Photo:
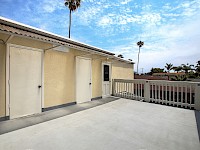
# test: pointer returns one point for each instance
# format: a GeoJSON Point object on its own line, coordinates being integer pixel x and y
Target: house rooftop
{"type": "Point", "coordinates": [168, 73]}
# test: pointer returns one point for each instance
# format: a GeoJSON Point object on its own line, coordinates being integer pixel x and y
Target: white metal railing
{"type": "Point", "coordinates": [175, 93]}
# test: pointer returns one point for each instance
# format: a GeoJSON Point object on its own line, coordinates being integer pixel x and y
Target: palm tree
{"type": "Point", "coordinates": [169, 67]}
{"type": "Point", "coordinates": [72, 5]}
{"type": "Point", "coordinates": [140, 44]}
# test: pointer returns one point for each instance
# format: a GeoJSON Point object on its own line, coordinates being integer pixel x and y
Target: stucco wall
{"type": "Point", "coordinates": [96, 72]}
{"type": "Point", "coordinates": [59, 78]}
{"type": "Point", "coordinates": [2, 79]}
{"type": "Point", "coordinates": [3, 37]}
{"type": "Point", "coordinates": [30, 43]}
{"type": "Point", "coordinates": [96, 78]}
{"type": "Point", "coordinates": [122, 71]}
{"type": "Point", "coordinates": [59, 73]}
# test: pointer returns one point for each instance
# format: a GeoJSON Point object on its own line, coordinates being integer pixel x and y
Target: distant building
{"type": "Point", "coordinates": [149, 77]}
{"type": "Point", "coordinates": [159, 76]}
{"type": "Point", "coordinates": [169, 74]}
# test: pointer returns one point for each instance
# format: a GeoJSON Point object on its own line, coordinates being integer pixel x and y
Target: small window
{"type": "Point", "coordinates": [106, 73]}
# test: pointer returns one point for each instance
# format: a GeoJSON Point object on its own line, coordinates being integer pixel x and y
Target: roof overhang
{"type": "Point", "coordinates": [18, 29]}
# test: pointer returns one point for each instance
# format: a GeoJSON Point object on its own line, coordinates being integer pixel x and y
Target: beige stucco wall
{"type": "Point", "coordinates": [30, 43]}
{"type": "Point", "coordinates": [121, 70]}
{"type": "Point", "coordinates": [59, 78]}
{"type": "Point", "coordinates": [59, 73]}
{"type": "Point", "coordinates": [96, 78]}
{"type": "Point", "coordinates": [2, 79]}
{"type": "Point", "coordinates": [3, 37]}
{"type": "Point", "coordinates": [96, 61]}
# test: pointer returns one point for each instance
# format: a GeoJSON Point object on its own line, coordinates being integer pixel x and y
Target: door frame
{"type": "Point", "coordinates": [110, 76]}
{"type": "Point", "coordinates": [8, 45]}
{"type": "Point", "coordinates": [76, 75]}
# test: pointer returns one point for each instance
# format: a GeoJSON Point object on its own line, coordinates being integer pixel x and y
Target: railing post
{"type": "Point", "coordinates": [113, 87]}
{"type": "Point", "coordinates": [197, 97]}
{"type": "Point", "coordinates": [147, 91]}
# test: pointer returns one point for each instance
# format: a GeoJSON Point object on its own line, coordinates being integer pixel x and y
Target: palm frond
{"type": "Point", "coordinates": [73, 4]}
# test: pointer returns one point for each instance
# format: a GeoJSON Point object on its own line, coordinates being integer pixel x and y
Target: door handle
{"type": "Point", "coordinates": [39, 86]}
{"type": "Point", "coordinates": [90, 83]}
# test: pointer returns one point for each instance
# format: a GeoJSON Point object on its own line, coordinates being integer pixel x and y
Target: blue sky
{"type": "Point", "coordinates": [170, 29]}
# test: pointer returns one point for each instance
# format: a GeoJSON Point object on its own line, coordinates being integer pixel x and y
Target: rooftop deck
{"type": "Point", "coordinates": [120, 124]}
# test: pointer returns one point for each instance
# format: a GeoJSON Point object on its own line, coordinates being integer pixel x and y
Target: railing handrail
{"type": "Point", "coordinates": [183, 93]}
{"type": "Point", "coordinates": [166, 81]}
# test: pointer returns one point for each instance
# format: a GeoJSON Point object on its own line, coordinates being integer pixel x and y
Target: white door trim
{"type": "Point", "coordinates": [110, 80]}
{"type": "Point", "coordinates": [8, 74]}
{"type": "Point", "coordinates": [76, 84]}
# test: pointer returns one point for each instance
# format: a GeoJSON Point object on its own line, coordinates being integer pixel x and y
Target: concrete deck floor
{"type": "Point", "coordinates": [19, 123]}
{"type": "Point", "coordinates": [119, 125]}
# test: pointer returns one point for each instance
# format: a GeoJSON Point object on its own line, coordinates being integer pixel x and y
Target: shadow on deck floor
{"type": "Point", "coordinates": [197, 115]}
{"type": "Point", "coordinates": [19, 123]}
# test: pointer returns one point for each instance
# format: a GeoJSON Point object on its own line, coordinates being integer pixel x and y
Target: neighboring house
{"type": "Point", "coordinates": [169, 75]}
{"type": "Point", "coordinates": [40, 70]}
{"type": "Point", "coordinates": [149, 77]}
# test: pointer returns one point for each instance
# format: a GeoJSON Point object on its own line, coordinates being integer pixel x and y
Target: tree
{"type": "Point", "coordinates": [187, 68]}
{"type": "Point", "coordinates": [191, 74]}
{"type": "Point", "coordinates": [177, 69]}
{"type": "Point", "coordinates": [169, 67]}
{"type": "Point", "coordinates": [179, 78]}
{"type": "Point", "coordinates": [197, 68]}
{"type": "Point", "coordinates": [156, 70]}
{"type": "Point", "coordinates": [72, 5]}
{"type": "Point", "coordinates": [140, 44]}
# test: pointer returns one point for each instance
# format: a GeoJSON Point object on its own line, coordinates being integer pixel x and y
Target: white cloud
{"type": "Point", "coordinates": [49, 6]}
{"type": "Point", "coordinates": [179, 44]}
{"type": "Point", "coordinates": [186, 8]}
{"type": "Point", "coordinates": [170, 42]}
{"type": "Point", "coordinates": [43, 26]}
{"type": "Point", "coordinates": [124, 2]}
{"type": "Point", "coordinates": [151, 18]}
{"type": "Point", "coordinates": [167, 7]}
{"type": "Point", "coordinates": [91, 1]}
{"type": "Point", "coordinates": [88, 14]}
{"type": "Point", "coordinates": [104, 21]}
{"type": "Point", "coordinates": [115, 19]}
{"type": "Point", "coordinates": [171, 33]}
{"type": "Point", "coordinates": [171, 15]}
